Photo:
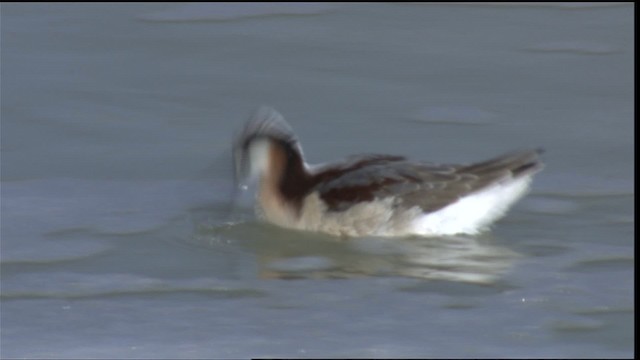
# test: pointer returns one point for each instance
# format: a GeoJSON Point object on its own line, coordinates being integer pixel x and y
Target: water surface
{"type": "Point", "coordinates": [116, 127]}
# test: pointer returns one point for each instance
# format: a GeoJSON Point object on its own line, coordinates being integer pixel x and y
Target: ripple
{"type": "Point", "coordinates": [575, 47]}
{"type": "Point", "coordinates": [453, 114]}
{"type": "Point", "coordinates": [235, 11]}
{"type": "Point", "coordinates": [41, 251]}
{"type": "Point", "coordinates": [303, 263]}
{"type": "Point", "coordinates": [72, 285]}
{"type": "Point", "coordinates": [577, 325]}
{"type": "Point", "coordinates": [598, 265]}
{"type": "Point", "coordinates": [545, 205]}
{"type": "Point", "coordinates": [47, 220]}
{"type": "Point", "coordinates": [567, 185]}
{"type": "Point", "coordinates": [559, 5]}
{"type": "Point", "coordinates": [542, 250]}
{"type": "Point", "coordinates": [598, 310]}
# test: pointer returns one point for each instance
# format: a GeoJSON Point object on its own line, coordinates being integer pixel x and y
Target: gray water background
{"type": "Point", "coordinates": [115, 130]}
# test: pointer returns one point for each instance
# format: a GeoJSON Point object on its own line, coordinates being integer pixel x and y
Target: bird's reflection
{"type": "Point", "coordinates": [287, 254]}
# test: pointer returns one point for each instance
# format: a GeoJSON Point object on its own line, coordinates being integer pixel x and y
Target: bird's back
{"type": "Point", "coordinates": [429, 186]}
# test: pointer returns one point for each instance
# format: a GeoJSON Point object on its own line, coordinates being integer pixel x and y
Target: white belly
{"type": "Point", "coordinates": [469, 215]}
{"type": "Point", "coordinates": [473, 213]}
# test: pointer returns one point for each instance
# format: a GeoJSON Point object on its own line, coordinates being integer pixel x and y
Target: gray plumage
{"type": "Point", "coordinates": [412, 183]}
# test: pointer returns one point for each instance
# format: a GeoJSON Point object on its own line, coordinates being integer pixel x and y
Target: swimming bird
{"type": "Point", "coordinates": [379, 195]}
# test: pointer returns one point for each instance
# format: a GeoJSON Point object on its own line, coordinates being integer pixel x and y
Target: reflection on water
{"type": "Point", "coordinates": [458, 258]}
{"type": "Point", "coordinates": [287, 254]}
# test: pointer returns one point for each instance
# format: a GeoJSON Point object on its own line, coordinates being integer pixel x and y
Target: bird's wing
{"type": "Point", "coordinates": [429, 186]}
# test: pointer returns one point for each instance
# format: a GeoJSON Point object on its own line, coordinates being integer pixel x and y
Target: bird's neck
{"type": "Point", "coordinates": [286, 180]}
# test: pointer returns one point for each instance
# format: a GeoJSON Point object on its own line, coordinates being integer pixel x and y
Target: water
{"type": "Point", "coordinates": [116, 128]}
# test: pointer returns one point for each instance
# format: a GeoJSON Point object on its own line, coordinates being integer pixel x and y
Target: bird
{"type": "Point", "coordinates": [373, 194]}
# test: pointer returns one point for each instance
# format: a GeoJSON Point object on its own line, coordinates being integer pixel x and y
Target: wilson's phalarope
{"type": "Point", "coordinates": [381, 195]}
